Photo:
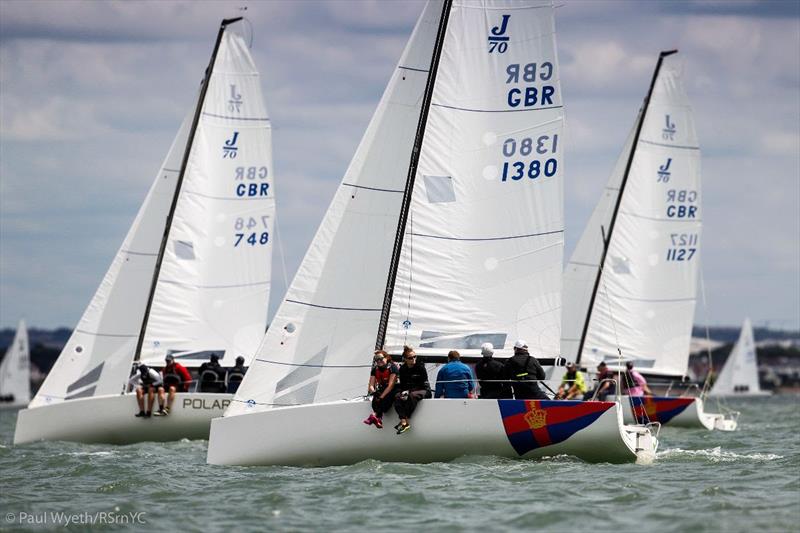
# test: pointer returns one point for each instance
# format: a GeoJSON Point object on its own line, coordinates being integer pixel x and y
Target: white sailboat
{"type": "Point", "coordinates": [192, 276]}
{"type": "Point", "coordinates": [630, 286]}
{"type": "Point", "coordinates": [739, 375]}
{"type": "Point", "coordinates": [445, 232]}
{"type": "Point", "coordinates": [15, 371]}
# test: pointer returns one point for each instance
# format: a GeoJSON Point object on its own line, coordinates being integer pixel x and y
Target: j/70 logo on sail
{"type": "Point", "coordinates": [498, 40]}
{"type": "Point", "coordinates": [234, 104]}
{"type": "Point", "coordinates": [668, 133]}
{"type": "Point", "coordinates": [229, 149]}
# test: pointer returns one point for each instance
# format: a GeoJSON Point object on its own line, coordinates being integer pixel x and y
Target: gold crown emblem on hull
{"type": "Point", "coordinates": [536, 418]}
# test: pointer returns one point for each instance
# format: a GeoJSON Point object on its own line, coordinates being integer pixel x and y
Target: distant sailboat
{"type": "Point", "coordinates": [630, 286]}
{"type": "Point", "coordinates": [15, 371]}
{"type": "Point", "coordinates": [739, 375]}
{"type": "Point", "coordinates": [191, 278]}
{"type": "Point", "coordinates": [446, 232]}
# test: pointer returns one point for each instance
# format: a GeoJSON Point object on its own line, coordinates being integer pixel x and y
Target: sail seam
{"type": "Point", "coordinates": [371, 188]}
{"type": "Point", "coordinates": [149, 254]}
{"type": "Point", "coordinates": [173, 282]}
{"type": "Point", "coordinates": [254, 119]}
{"type": "Point", "coordinates": [334, 307]}
{"type": "Point", "coordinates": [496, 110]}
{"type": "Point", "coordinates": [95, 334]}
{"type": "Point", "coordinates": [310, 366]}
{"type": "Point", "coordinates": [510, 237]}
{"type": "Point", "coordinates": [412, 68]}
{"type": "Point", "coordinates": [682, 147]}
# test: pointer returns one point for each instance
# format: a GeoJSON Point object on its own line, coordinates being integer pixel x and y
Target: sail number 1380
{"type": "Point", "coordinates": [539, 148]}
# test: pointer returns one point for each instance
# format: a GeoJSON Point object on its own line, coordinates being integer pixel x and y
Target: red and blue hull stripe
{"type": "Point", "coordinates": [658, 408]}
{"type": "Point", "coordinates": [532, 424]}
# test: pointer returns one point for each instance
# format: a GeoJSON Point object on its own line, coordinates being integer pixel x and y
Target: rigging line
{"type": "Point", "coordinates": [628, 165]}
{"type": "Point", "coordinates": [410, 275]}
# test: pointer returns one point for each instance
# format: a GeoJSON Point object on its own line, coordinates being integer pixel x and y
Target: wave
{"type": "Point", "coordinates": [717, 455]}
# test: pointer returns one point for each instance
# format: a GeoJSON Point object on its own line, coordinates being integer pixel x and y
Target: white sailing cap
{"type": "Point", "coordinates": [520, 344]}
{"type": "Point", "coordinates": [487, 348]}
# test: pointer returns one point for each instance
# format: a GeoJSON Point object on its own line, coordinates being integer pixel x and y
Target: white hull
{"type": "Point", "coordinates": [441, 430]}
{"type": "Point", "coordinates": [691, 413]}
{"type": "Point", "coordinates": [759, 394]}
{"type": "Point", "coordinates": [110, 419]}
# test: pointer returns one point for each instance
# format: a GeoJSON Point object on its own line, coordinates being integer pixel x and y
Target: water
{"type": "Point", "coordinates": [700, 481]}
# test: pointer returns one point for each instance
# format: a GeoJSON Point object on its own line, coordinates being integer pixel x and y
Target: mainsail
{"type": "Point", "coordinates": [192, 273]}
{"type": "Point", "coordinates": [631, 282]}
{"type": "Point", "coordinates": [739, 375]}
{"type": "Point", "coordinates": [15, 370]}
{"type": "Point", "coordinates": [447, 229]}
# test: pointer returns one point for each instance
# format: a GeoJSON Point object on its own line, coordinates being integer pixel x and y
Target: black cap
{"type": "Point", "coordinates": [214, 357]}
{"type": "Point", "coordinates": [240, 360]}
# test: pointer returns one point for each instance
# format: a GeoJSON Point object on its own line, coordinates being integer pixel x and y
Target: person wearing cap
{"type": "Point", "coordinates": [572, 384]}
{"type": "Point", "coordinates": [212, 375]}
{"type": "Point", "coordinates": [491, 375]}
{"type": "Point", "coordinates": [454, 379]}
{"type": "Point", "coordinates": [525, 372]}
{"type": "Point", "coordinates": [235, 375]}
{"type": "Point", "coordinates": [382, 380]}
{"type": "Point", "coordinates": [605, 384]}
{"type": "Point", "coordinates": [414, 386]}
{"type": "Point", "coordinates": [146, 380]}
{"type": "Point", "coordinates": [633, 383]}
{"type": "Point", "coordinates": [175, 378]}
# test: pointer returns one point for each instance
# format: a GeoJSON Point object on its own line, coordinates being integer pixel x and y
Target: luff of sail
{"type": "Point", "coordinates": [644, 298]}
{"type": "Point", "coordinates": [15, 370]}
{"type": "Point", "coordinates": [482, 252]}
{"type": "Point", "coordinates": [213, 284]}
{"type": "Point", "coordinates": [315, 347]}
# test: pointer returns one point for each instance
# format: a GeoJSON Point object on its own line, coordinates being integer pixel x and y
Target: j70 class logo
{"type": "Point", "coordinates": [235, 103]}
{"type": "Point", "coordinates": [668, 133]}
{"type": "Point", "coordinates": [498, 40]}
{"type": "Point", "coordinates": [229, 149]}
{"type": "Point", "coordinates": [663, 172]}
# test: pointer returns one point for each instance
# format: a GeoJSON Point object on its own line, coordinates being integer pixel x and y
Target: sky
{"type": "Point", "coordinates": [92, 93]}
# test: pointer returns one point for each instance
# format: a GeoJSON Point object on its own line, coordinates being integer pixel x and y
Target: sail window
{"type": "Point", "coordinates": [184, 250]}
{"type": "Point", "coordinates": [440, 189]}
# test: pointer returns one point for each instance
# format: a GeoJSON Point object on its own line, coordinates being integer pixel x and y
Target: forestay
{"type": "Point", "coordinates": [318, 345]}
{"type": "Point", "coordinates": [483, 244]}
{"type": "Point", "coordinates": [740, 373]}
{"type": "Point", "coordinates": [214, 281]}
{"type": "Point", "coordinates": [15, 370]}
{"type": "Point", "coordinates": [645, 298]}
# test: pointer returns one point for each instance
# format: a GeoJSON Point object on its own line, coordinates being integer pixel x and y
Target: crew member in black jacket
{"type": "Point", "coordinates": [414, 386]}
{"type": "Point", "coordinates": [491, 375]}
{"type": "Point", "coordinates": [525, 370]}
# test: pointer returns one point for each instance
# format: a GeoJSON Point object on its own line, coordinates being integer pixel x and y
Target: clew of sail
{"type": "Point", "coordinates": [15, 370]}
{"type": "Point", "coordinates": [482, 249]}
{"type": "Point", "coordinates": [644, 300]}
{"type": "Point", "coordinates": [214, 279]}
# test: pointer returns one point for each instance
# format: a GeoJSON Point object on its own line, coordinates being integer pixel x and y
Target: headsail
{"type": "Point", "coordinates": [97, 358]}
{"type": "Point", "coordinates": [15, 370]}
{"type": "Point", "coordinates": [643, 300]}
{"type": "Point", "coordinates": [739, 375]}
{"type": "Point", "coordinates": [496, 85]}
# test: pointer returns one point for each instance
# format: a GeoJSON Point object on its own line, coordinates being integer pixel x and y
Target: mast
{"type": "Point", "coordinates": [190, 141]}
{"type": "Point", "coordinates": [607, 235]}
{"type": "Point", "coordinates": [412, 172]}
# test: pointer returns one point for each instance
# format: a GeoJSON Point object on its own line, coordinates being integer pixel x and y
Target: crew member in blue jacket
{"type": "Point", "coordinates": [455, 379]}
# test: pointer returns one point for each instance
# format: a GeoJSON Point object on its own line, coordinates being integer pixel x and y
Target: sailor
{"type": "Point", "coordinates": [146, 381]}
{"type": "Point", "coordinates": [605, 384]}
{"type": "Point", "coordinates": [455, 379]}
{"type": "Point", "coordinates": [382, 381]}
{"type": "Point", "coordinates": [491, 375]}
{"type": "Point", "coordinates": [572, 384]}
{"type": "Point", "coordinates": [235, 375]}
{"type": "Point", "coordinates": [212, 375]}
{"type": "Point", "coordinates": [524, 371]}
{"type": "Point", "coordinates": [176, 378]}
{"type": "Point", "coordinates": [414, 386]}
{"type": "Point", "coordinates": [634, 383]}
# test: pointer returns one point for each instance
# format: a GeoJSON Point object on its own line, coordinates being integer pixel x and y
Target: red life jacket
{"type": "Point", "coordinates": [382, 376]}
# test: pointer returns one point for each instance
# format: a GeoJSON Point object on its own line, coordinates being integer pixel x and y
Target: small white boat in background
{"type": "Point", "coordinates": [15, 371]}
{"type": "Point", "coordinates": [191, 278]}
{"type": "Point", "coordinates": [739, 375]}
{"type": "Point", "coordinates": [446, 232]}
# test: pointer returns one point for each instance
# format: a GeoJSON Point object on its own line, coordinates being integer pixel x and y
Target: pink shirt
{"type": "Point", "coordinates": [639, 381]}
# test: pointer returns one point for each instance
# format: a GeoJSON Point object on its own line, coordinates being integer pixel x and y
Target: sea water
{"type": "Point", "coordinates": [701, 480]}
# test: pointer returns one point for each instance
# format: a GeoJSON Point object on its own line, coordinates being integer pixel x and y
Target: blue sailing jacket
{"type": "Point", "coordinates": [460, 377]}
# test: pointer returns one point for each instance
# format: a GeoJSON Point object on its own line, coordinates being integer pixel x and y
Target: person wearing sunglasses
{"type": "Point", "coordinates": [414, 386]}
